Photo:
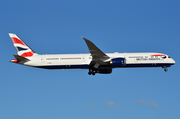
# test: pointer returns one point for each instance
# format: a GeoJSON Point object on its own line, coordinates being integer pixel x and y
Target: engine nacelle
{"type": "Point", "coordinates": [104, 71]}
{"type": "Point", "coordinates": [118, 62]}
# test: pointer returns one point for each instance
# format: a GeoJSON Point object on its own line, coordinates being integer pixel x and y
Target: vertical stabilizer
{"type": "Point", "coordinates": [22, 49]}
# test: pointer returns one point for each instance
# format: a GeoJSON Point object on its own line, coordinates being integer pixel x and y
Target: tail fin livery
{"type": "Point", "coordinates": [22, 49]}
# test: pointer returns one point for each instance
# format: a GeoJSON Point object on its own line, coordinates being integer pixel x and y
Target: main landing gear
{"type": "Point", "coordinates": [92, 71]}
{"type": "Point", "coordinates": [165, 70]}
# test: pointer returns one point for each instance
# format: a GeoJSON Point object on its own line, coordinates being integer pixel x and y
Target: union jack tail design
{"type": "Point", "coordinates": [22, 49]}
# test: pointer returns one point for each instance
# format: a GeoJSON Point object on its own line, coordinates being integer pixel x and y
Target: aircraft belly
{"type": "Point", "coordinates": [77, 66]}
{"type": "Point", "coordinates": [58, 64]}
{"type": "Point", "coordinates": [150, 64]}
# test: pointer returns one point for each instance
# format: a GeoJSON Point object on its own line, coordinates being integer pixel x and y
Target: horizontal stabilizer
{"type": "Point", "coordinates": [18, 57]}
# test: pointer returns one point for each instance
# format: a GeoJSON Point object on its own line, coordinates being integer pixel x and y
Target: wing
{"type": "Point", "coordinates": [98, 56]}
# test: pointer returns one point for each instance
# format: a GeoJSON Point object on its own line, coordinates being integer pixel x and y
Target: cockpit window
{"type": "Point", "coordinates": [169, 57]}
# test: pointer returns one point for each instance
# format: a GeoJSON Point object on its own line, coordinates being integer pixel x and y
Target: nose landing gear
{"type": "Point", "coordinates": [165, 68]}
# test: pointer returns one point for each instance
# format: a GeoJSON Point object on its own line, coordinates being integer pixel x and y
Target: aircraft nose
{"type": "Point", "coordinates": [172, 61]}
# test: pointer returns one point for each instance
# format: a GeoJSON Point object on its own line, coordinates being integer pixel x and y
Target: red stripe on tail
{"type": "Point", "coordinates": [27, 54]}
{"type": "Point", "coordinates": [16, 40]}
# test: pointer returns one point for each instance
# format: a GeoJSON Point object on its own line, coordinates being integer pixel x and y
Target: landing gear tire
{"type": "Point", "coordinates": [92, 71]}
{"type": "Point", "coordinates": [165, 70]}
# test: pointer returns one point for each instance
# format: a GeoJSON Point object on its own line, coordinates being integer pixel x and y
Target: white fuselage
{"type": "Point", "coordinates": [69, 61]}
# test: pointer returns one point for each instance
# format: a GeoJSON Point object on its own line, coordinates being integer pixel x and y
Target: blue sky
{"type": "Point", "coordinates": [56, 27]}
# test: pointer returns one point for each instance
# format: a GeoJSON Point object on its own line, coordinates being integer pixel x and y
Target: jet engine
{"type": "Point", "coordinates": [118, 62]}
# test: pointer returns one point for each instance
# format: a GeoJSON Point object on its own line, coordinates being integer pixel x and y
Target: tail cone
{"type": "Point", "coordinates": [14, 61]}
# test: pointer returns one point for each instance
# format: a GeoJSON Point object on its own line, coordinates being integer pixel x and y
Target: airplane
{"type": "Point", "coordinates": [96, 61]}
